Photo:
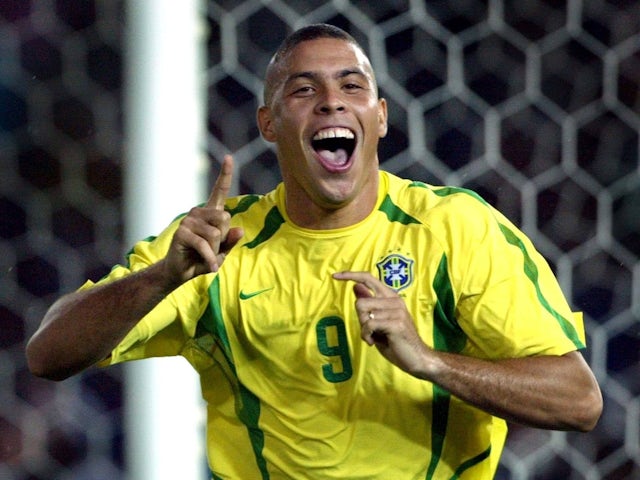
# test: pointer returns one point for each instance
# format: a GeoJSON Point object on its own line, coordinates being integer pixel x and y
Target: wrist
{"type": "Point", "coordinates": [160, 275]}
{"type": "Point", "coordinates": [430, 366]}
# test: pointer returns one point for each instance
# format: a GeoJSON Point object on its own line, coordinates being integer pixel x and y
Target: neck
{"type": "Point", "coordinates": [306, 213]}
{"type": "Point", "coordinates": [317, 218]}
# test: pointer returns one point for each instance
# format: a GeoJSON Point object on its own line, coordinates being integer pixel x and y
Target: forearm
{"type": "Point", "coordinates": [553, 392]}
{"type": "Point", "coordinates": [83, 327]}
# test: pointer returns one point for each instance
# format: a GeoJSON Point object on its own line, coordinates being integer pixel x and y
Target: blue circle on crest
{"type": "Point", "coordinates": [396, 271]}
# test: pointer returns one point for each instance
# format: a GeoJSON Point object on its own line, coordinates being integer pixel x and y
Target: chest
{"type": "Point", "coordinates": [288, 317]}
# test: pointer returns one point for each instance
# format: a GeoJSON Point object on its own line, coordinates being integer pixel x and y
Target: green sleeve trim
{"type": "Point", "coordinates": [394, 213]}
{"type": "Point", "coordinates": [272, 223]}
{"type": "Point", "coordinates": [531, 271]}
{"type": "Point", "coordinates": [449, 337]}
{"type": "Point", "coordinates": [243, 205]}
{"type": "Point", "coordinates": [248, 405]}
{"type": "Point", "coordinates": [440, 414]}
{"type": "Point", "coordinates": [446, 191]}
{"type": "Point", "coordinates": [530, 268]}
{"type": "Point", "coordinates": [472, 462]}
{"type": "Point", "coordinates": [447, 334]}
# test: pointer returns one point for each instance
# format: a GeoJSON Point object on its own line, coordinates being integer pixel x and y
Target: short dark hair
{"type": "Point", "coordinates": [304, 34]}
{"type": "Point", "coordinates": [311, 32]}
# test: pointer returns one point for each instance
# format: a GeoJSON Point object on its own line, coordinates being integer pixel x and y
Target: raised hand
{"type": "Point", "coordinates": [204, 236]}
{"type": "Point", "coordinates": [385, 322]}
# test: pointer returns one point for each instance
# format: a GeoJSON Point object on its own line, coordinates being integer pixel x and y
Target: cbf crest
{"type": "Point", "coordinates": [396, 271]}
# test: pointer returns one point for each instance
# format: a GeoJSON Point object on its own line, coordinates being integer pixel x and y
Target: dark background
{"type": "Point", "coordinates": [534, 104]}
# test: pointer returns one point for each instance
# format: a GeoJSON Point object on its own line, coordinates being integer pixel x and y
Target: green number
{"type": "Point", "coordinates": [332, 342]}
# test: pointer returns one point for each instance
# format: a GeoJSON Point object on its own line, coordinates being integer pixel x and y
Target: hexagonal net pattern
{"type": "Point", "coordinates": [533, 104]}
{"type": "Point", "coordinates": [60, 223]}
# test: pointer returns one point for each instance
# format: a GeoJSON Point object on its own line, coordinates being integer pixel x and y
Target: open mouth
{"type": "Point", "coordinates": [334, 146]}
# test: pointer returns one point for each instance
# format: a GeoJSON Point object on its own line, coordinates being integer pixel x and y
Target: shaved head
{"type": "Point", "coordinates": [305, 34]}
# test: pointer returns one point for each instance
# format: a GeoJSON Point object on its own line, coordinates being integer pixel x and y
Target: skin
{"type": "Point", "coordinates": [553, 392]}
{"type": "Point", "coordinates": [325, 83]}
{"type": "Point", "coordinates": [321, 83]}
{"type": "Point", "coordinates": [95, 317]}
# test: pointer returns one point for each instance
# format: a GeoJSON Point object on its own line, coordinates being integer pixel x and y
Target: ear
{"type": "Point", "coordinates": [382, 117]}
{"type": "Point", "coordinates": [265, 124]}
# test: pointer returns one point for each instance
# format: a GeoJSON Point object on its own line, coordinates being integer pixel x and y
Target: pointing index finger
{"type": "Point", "coordinates": [366, 279]}
{"type": "Point", "coordinates": [221, 188]}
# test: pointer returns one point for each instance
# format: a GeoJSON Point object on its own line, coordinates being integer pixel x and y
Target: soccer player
{"type": "Point", "coordinates": [348, 324]}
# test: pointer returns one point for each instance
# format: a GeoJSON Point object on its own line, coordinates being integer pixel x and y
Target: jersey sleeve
{"type": "Point", "coordinates": [167, 328]}
{"type": "Point", "coordinates": [510, 303]}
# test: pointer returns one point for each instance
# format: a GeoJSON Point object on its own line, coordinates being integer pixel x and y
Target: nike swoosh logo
{"type": "Point", "coordinates": [246, 296]}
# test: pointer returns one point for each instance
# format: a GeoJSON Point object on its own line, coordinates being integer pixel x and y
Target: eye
{"type": "Point", "coordinates": [305, 90]}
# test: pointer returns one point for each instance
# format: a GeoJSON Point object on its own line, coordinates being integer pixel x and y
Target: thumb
{"type": "Point", "coordinates": [233, 236]}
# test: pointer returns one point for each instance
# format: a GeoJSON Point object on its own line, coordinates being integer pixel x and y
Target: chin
{"type": "Point", "coordinates": [337, 196]}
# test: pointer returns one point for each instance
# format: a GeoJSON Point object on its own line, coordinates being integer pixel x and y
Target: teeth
{"type": "Point", "coordinates": [333, 133]}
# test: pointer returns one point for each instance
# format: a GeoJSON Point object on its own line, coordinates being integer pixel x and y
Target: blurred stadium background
{"type": "Point", "coordinates": [534, 104]}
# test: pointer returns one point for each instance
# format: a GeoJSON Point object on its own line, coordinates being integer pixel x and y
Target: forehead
{"type": "Point", "coordinates": [323, 51]}
{"type": "Point", "coordinates": [322, 56]}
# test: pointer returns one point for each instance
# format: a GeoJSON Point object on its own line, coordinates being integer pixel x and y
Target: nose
{"type": "Point", "coordinates": [331, 102]}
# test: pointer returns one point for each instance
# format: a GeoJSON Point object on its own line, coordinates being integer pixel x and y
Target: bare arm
{"type": "Point", "coordinates": [553, 392]}
{"type": "Point", "coordinates": [83, 327]}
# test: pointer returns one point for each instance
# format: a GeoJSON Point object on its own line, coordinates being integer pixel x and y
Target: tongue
{"type": "Point", "coordinates": [337, 157]}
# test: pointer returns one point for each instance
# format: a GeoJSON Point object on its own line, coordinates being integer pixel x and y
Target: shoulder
{"type": "Point", "coordinates": [254, 212]}
{"type": "Point", "coordinates": [242, 203]}
{"type": "Point", "coordinates": [251, 205]}
{"type": "Point", "coordinates": [459, 219]}
{"type": "Point", "coordinates": [432, 203]}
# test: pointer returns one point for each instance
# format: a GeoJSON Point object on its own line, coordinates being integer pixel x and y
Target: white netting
{"type": "Point", "coordinates": [532, 103]}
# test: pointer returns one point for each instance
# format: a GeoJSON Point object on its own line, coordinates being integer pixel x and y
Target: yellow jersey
{"type": "Point", "coordinates": [292, 391]}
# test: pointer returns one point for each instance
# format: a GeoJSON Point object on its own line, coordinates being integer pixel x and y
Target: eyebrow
{"type": "Point", "coordinates": [311, 75]}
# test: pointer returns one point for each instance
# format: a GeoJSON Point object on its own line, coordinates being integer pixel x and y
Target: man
{"type": "Point", "coordinates": [277, 301]}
